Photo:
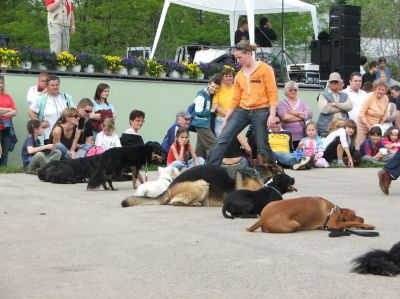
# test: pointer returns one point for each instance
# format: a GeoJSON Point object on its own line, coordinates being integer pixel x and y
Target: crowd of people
{"type": "Point", "coordinates": [355, 125]}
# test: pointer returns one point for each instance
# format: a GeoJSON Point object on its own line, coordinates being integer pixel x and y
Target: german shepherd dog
{"type": "Point", "coordinates": [69, 171]}
{"type": "Point", "coordinates": [249, 204]}
{"type": "Point", "coordinates": [379, 262]}
{"type": "Point", "coordinates": [205, 185]}
{"type": "Point", "coordinates": [114, 160]}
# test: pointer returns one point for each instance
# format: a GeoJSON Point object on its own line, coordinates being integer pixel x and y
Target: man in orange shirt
{"type": "Point", "coordinates": [254, 102]}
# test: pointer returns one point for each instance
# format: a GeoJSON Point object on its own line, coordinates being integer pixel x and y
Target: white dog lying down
{"type": "Point", "coordinates": [155, 188]}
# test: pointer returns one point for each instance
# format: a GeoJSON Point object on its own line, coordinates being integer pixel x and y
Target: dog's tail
{"type": "Point", "coordinates": [379, 262]}
{"type": "Point", "coordinates": [224, 210]}
{"type": "Point", "coordinates": [254, 226]}
{"type": "Point", "coordinates": [130, 201]}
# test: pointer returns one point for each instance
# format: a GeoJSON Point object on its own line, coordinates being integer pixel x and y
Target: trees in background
{"type": "Point", "coordinates": [112, 26]}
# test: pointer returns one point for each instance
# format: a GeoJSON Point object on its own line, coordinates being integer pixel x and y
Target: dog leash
{"type": "Point", "coordinates": [340, 232]}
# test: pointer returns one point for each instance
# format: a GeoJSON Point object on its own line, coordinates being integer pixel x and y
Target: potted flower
{"type": "Point", "coordinates": [9, 58]}
{"type": "Point", "coordinates": [113, 63]}
{"type": "Point", "coordinates": [128, 63]}
{"type": "Point", "coordinates": [177, 69]}
{"type": "Point", "coordinates": [209, 69]}
{"type": "Point", "coordinates": [153, 68]}
{"type": "Point", "coordinates": [27, 57]}
{"type": "Point", "coordinates": [192, 70]}
{"type": "Point", "coordinates": [85, 60]}
{"type": "Point", "coordinates": [47, 59]}
{"type": "Point", "coordinates": [65, 60]}
{"type": "Point", "coordinates": [98, 62]}
{"type": "Point", "coordinates": [138, 66]}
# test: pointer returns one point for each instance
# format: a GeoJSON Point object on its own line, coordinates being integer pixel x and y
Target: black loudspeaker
{"type": "Point", "coordinates": [320, 54]}
{"type": "Point", "coordinates": [344, 9]}
{"type": "Point", "coordinates": [345, 51]}
{"type": "Point", "coordinates": [344, 21]}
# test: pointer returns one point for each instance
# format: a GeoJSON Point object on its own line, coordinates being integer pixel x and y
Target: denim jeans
{"type": "Point", "coordinates": [393, 166]}
{"type": "Point", "coordinates": [286, 159]}
{"type": "Point", "coordinates": [179, 164]}
{"type": "Point", "coordinates": [64, 151]}
{"type": "Point", "coordinates": [239, 119]}
{"type": "Point", "coordinates": [84, 148]}
{"type": "Point", "coordinates": [5, 141]}
{"type": "Point", "coordinates": [218, 124]}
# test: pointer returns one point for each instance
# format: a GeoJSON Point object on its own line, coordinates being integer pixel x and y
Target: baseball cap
{"type": "Point", "coordinates": [334, 77]}
{"type": "Point", "coordinates": [183, 114]}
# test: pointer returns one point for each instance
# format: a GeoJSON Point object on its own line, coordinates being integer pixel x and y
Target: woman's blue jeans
{"type": "Point", "coordinates": [239, 119]}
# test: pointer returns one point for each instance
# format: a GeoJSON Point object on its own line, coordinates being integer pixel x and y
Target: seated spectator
{"type": "Point", "coordinates": [34, 155]}
{"type": "Point", "coordinates": [107, 139]}
{"type": "Point", "coordinates": [391, 114]}
{"type": "Point", "coordinates": [280, 142]}
{"type": "Point", "coordinates": [34, 92]}
{"type": "Point", "coordinates": [355, 93]}
{"type": "Point", "coordinates": [312, 146]}
{"type": "Point", "coordinates": [65, 134]}
{"type": "Point", "coordinates": [373, 111]}
{"type": "Point", "coordinates": [86, 140]}
{"type": "Point", "coordinates": [242, 33]}
{"type": "Point", "coordinates": [131, 136]}
{"type": "Point", "coordinates": [102, 108]}
{"type": "Point", "coordinates": [395, 93]}
{"type": "Point", "coordinates": [391, 141]}
{"type": "Point", "coordinates": [182, 120]}
{"type": "Point", "coordinates": [372, 149]}
{"type": "Point", "coordinates": [339, 145]}
{"type": "Point", "coordinates": [367, 87]}
{"type": "Point", "coordinates": [49, 107]}
{"type": "Point", "coordinates": [370, 76]}
{"type": "Point", "coordinates": [237, 153]}
{"type": "Point", "coordinates": [383, 71]}
{"type": "Point", "coordinates": [363, 62]}
{"type": "Point", "coordinates": [181, 150]}
{"type": "Point", "coordinates": [294, 112]}
{"type": "Point", "coordinates": [332, 103]}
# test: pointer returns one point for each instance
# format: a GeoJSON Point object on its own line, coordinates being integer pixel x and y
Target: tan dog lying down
{"type": "Point", "coordinates": [305, 213]}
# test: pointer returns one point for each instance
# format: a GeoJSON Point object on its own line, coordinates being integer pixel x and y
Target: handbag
{"type": "Point", "coordinates": [95, 150]}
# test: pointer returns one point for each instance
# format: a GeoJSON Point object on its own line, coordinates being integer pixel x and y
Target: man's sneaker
{"type": "Point", "coordinates": [302, 164]}
{"type": "Point", "coordinates": [341, 164]}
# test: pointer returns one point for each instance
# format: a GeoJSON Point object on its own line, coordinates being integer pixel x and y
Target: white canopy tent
{"type": "Point", "coordinates": [236, 8]}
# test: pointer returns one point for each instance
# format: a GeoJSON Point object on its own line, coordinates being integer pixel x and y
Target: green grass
{"type": "Point", "coordinates": [10, 169]}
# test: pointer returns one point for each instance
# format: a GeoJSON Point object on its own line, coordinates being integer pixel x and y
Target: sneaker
{"type": "Point", "coordinates": [341, 164]}
{"type": "Point", "coordinates": [303, 163]}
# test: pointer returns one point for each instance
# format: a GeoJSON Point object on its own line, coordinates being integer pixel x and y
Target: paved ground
{"type": "Point", "coordinates": [61, 241]}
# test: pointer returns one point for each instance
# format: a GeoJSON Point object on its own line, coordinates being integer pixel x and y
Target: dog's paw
{"type": "Point", "coordinates": [197, 204]}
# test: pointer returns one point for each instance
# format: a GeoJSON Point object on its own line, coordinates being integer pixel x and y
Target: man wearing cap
{"type": "Point", "coordinates": [355, 93]}
{"type": "Point", "coordinates": [182, 120]}
{"type": "Point", "coordinates": [332, 103]}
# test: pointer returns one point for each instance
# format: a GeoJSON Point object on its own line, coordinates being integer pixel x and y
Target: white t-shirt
{"type": "Point", "coordinates": [32, 95]}
{"type": "Point", "coordinates": [356, 99]}
{"type": "Point", "coordinates": [107, 142]}
{"type": "Point", "coordinates": [52, 112]}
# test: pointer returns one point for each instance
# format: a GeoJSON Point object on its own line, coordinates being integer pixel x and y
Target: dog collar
{"type": "Point", "coordinates": [274, 189]}
{"type": "Point", "coordinates": [333, 210]}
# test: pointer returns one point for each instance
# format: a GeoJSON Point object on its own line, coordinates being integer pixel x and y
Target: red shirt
{"type": "Point", "coordinates": [69, 8]}
{"type": "Point", "coordinates": [171, 158]}
{"type": "Point", "coordinates": [6, 101]}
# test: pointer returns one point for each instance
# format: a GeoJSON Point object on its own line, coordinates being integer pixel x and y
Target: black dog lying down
{"type": "Point", "coordinates": [69, 171]}
{"type": "Point", "coordinates": [102, 169]}
{"type": "Point", "coordinates": [249, 204]}
{"type": "Point", "coordinates": [114, 160]}
{"type": "Point", "coordinates": [379, 262]}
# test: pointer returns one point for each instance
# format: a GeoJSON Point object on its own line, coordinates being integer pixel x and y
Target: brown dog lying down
{"type": "Point", "coordinates": [305, 213]}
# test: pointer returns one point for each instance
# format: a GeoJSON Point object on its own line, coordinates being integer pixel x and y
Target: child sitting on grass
{"type": "Point", "coordinates": [372, 149]}
{"type": "Point", "coordinates": [33, 154]}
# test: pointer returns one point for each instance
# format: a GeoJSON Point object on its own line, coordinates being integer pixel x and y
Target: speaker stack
{"type": "Point", "coordinates": [339, 51]}
{"type": "Point", "coordinates": [344, 33]}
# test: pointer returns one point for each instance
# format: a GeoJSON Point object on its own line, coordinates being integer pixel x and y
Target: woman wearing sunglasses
{"type": "Point", "coordinates": [294, 112]}
{"type": "Point", "coordinates": [65, 134]}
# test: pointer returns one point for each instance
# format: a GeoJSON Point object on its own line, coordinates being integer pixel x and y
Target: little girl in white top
{"type": "Point", "coordinates": [107, 139]}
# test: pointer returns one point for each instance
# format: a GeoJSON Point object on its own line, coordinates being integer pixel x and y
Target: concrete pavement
{"type": "Point", "coordinates": [61, 241]}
